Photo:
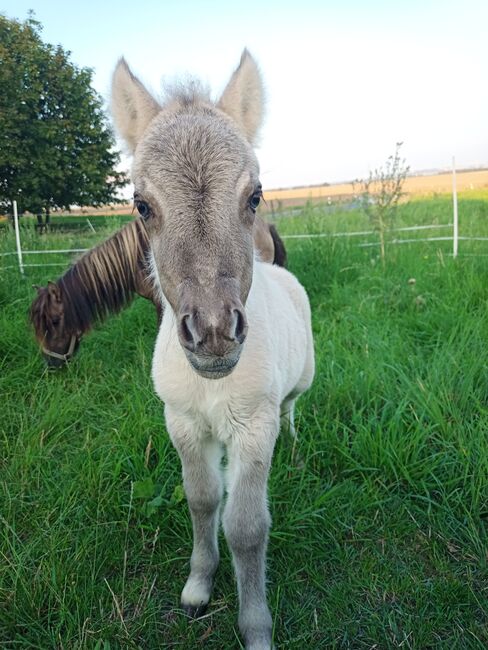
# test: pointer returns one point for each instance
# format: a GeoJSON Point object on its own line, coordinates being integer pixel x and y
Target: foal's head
{"type": "Point", "coordinates": [196, 186]}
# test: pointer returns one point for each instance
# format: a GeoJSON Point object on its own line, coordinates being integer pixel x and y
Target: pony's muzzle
{"type": "Point", "coordinates": [213, 342]}
{"type": "Point", "coordinates": [53, 363]}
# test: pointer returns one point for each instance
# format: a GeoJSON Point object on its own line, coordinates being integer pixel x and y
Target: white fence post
{"type": "Point", "coordinates": [17, 237]}
{"type": "Point", "coordinates": [455, 235]}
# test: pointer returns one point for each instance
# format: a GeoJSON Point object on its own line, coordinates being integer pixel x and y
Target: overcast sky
{"type": "Point", "coordinates": [345, 80]}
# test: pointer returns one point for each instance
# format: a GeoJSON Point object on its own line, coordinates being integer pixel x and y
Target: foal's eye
{"type": "Point", "coordinates": [143, 209]}
{"type": "Point", "coordinates": [255, 199]}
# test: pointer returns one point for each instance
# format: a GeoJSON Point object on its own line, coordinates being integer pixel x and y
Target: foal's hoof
{"type": "Point", "coordinates": [195, 597]}
{"type": "Point", "coordinates": [194, 611]}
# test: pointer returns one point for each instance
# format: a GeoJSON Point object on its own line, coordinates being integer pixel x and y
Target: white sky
{"type": "Point", "coordinates": [345, 80]}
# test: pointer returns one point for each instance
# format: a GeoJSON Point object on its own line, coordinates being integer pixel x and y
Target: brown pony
{"type": "Point", "coordinates": [103, 281]}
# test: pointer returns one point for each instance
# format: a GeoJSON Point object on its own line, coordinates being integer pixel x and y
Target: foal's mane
{"type": "Point", "coordinates": [101, 282]}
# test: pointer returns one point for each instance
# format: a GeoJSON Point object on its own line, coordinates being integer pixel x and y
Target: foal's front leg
{"type": "Point", "coordinates": [200, 459]}
{"type": "Point", "coordinates": [246, 524]}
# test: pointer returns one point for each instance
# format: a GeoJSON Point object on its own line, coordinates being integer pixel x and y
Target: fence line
{"type": "Point", "coordinates": [455, 234]}
{"type": "Point", "coordinates": [365, 232]}
{"type": "Point", "coordinates": [17, 237]}
{"type": "Point", "coordinates": [27, 265]}
{"type": "Point", "coordinates": [468, 254]}
{"type": "Point", "coordinates": [405, 241]}
{"type": "Point", "coordinates": [40, 252]}
{"type": "Point", "coordinates": [300, 236]}
{"type": "Point", "coordinates": [411, 241]}
{"type": "Point", "coordinates": [454, 238]}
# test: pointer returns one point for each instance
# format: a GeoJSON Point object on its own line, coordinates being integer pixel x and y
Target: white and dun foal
{"type": "Point", "coordinates": [235, 347]}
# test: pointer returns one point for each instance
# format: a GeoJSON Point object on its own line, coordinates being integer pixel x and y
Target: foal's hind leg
{"type": "Point", "coordinates": [287, 416]}
{"type": "Point", "coordinates": [200, 459]}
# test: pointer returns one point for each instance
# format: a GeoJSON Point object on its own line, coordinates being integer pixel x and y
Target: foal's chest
{"type": "Point", "coordinates": [210, 403]}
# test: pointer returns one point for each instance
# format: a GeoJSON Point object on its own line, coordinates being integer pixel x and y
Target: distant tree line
{"type": "Point", "coordinates": [56, 147]}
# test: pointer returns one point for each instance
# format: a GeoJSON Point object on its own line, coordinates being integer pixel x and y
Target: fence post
{"type": "Point", "coordinates": [455, 235]}
{"type": "Point", "coordinates": [17, 237]}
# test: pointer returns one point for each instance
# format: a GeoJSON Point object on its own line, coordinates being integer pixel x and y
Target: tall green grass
{"type": "Point", "coordinates": [379, 510]}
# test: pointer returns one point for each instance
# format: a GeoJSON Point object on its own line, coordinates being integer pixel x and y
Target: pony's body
{"type": "Point", "coordinates": [235, 344]}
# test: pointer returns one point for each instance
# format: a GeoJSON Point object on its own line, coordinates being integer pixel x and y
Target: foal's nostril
{"type": "Point", "coordinates": [188, 332]}
{"type": "Point", "coordinates": [240, 325]}
{"type": "Point", "coordinates": [185, 332]}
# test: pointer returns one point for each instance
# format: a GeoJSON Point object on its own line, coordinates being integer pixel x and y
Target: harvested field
{"type": "Point", "coordinates": [421, 186]}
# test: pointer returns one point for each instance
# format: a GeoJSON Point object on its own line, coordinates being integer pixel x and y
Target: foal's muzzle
{"type": "Point", "coordinates": [213, 339]}
{"type": "Point", "coordinates": [213, 368]}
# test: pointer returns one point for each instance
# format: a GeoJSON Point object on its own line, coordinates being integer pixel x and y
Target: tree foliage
{"type": "Point", "coordinates": [381, 192]}
{"type": "Point", "coordinates": [56, 148]}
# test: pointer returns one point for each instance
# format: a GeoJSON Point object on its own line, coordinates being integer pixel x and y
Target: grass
{"type": "Point", "coordinates": [379, 534]}
{"type": "Point", "coordinates": [66, 224]}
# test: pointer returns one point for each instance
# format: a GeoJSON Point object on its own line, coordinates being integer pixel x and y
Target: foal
{"type": "Point", "coordinates": [235, 347]}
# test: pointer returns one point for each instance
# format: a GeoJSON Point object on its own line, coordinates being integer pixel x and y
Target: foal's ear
{"type": "Point", "coordinates": [243, 97]}
{"type": "Point", "coordinates": [133, 107]}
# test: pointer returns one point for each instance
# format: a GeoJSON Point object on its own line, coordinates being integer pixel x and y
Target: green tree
{"type": "Point", "coordinates": [56, 148]}
{"type": "Point", "coordinates": [381, 192]}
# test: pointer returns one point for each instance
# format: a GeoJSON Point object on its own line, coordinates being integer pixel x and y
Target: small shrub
{"type": "Point", "coordinates": [381, 192]}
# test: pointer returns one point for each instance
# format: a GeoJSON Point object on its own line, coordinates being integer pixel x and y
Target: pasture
{"type": "Point", "coordinates": [379, 508]}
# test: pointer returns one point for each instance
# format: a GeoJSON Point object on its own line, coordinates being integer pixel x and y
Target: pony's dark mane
{"type": "Point", "coordinates": [101, 282]}
{"type": "Point", "coordinates": [280, 256]}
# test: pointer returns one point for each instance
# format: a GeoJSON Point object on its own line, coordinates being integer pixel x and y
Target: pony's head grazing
{"type": "Point", "coordinates": [101, 282]}
{"type": "Point", "coordinates": [48, 317]}
{"type": "Point", "coordinates": [197, 188]}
